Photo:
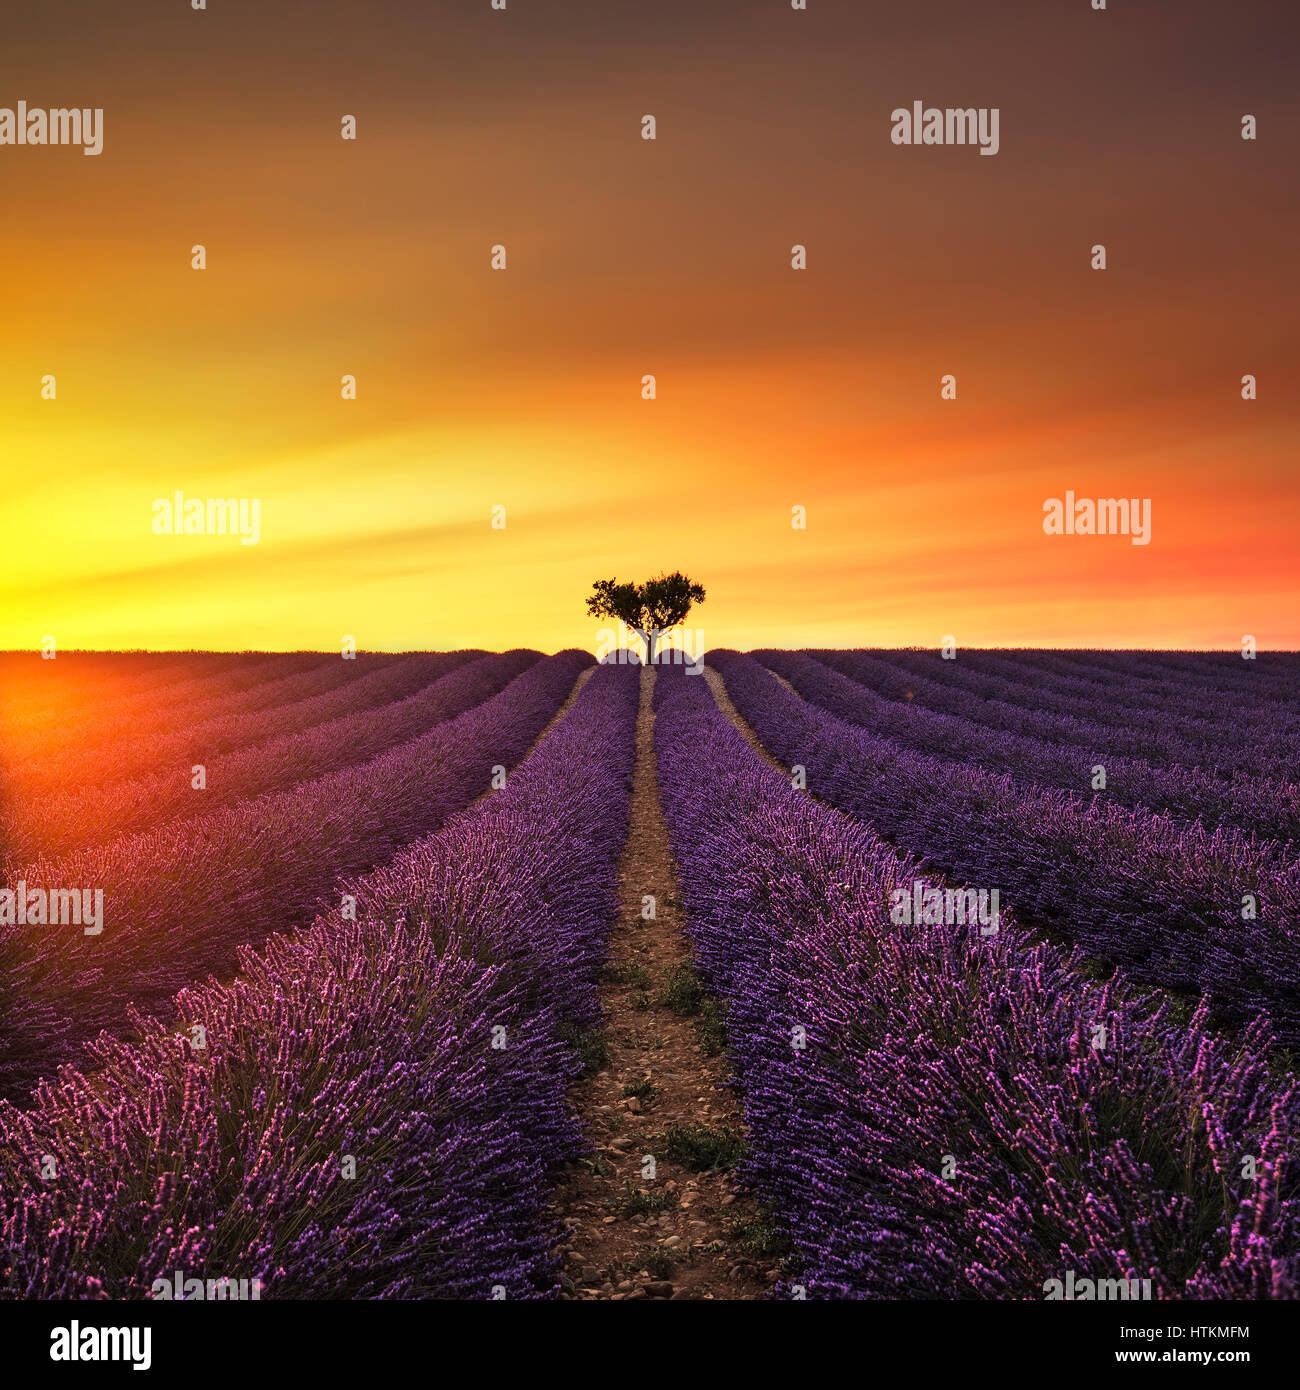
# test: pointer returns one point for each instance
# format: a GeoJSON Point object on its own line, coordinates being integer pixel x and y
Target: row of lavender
{"type": "Point", "coordinates": [1257, 806]}
{"type": "Point", "coordinates": [206, 682]}
{"type": "Point", "coordinates": [1220, 734]}
{"type": "Point", "coordinates": [1189, 680]}
{"type": "Point", "coordinates": [1173, 903]}
{"type": "Point", "coordinates": [938, 1114]}
{"type": "Point", "coordinates": [126, 748]}
{"type": "Point", "coordinates": [82, 686]}
{"type": "Point", "coordinates": [1115, 690]}
{"type": "Point", "coordinates": [133, 673]}
{"type": "Point", "coordinates": [272, 749]}
{"type": "Point", "coordinates": [1246, 731]}
{"type": "Point", "coordinates": [179, 901]}
{"type": "Point", "coordinates": [1273, 676]}
{"type": "Point", "coordinates": [378, 1103]}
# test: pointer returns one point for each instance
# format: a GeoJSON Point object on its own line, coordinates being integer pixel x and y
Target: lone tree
{"type": "Point", "coordinates": [648, 608]}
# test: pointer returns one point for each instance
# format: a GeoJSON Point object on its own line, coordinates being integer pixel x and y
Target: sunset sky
{"type": "Point", "coordinates": [522, 388]}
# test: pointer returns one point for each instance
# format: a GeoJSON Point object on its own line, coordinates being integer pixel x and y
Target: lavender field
{"type": "Point", "coordinates": [804, 975]}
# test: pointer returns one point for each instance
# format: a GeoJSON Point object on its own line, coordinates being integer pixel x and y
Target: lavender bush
{"type": "Point", "coordinates": [180, 900]}
{"type": "Point", "coordinates": [204, 685]}
{"type": "Point", "coordinates": [930, 1114]}
{"type": "Point", "coordinates": [1257, 806]}
{"type": "Point", "coordinates": [1271, 677]}
{"type": "Point", "coordinates": [1231, 744]}
{"type": "Point", "coordinates": [321, 692]}
{"type": "Point", "coordinates": [370, 1040]}
{"type": "Point", "coordinates": [274, 749]}
{"type": "Point", "coordinates": [1163, 898]}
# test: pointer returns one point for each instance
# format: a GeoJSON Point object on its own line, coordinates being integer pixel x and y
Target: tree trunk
{"type": "Point", "coordinates": [648, 637]}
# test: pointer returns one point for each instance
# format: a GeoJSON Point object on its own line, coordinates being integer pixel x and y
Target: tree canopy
{"type": "Point", "coordinates": [661, 602]}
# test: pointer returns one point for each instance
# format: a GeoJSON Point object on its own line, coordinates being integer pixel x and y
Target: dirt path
{"type": "Point", "coordinates": [719, 691]}
{"type": "Point", "coordinates": [658, 1093]}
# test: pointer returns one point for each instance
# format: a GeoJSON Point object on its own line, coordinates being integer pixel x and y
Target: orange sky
{"type": "Point", "coordinates": [522, 388]}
